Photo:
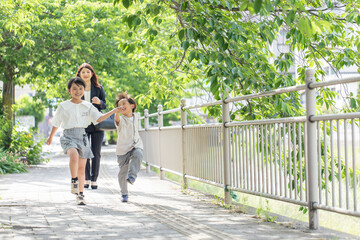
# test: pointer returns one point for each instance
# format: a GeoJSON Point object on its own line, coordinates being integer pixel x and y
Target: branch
{"type": "Point", "coordinates": [332, 67]}
{"type": "Point", "coordinates": [180, 62]}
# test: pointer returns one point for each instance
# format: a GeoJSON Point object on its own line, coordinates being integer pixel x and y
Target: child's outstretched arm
{"type": "Point", "coordinates": [108, 114]}
{"type": "Point", "coordinates": [117, 118]}
{"type": "Point", "coordinates": [49, 140]}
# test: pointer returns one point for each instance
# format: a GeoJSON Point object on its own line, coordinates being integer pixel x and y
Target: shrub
{"type": "Point", "coordinates": [10, 163]}
{"type": "Point", "coordinates": [5, 132]}
{"type": "Point", "coordinates": [25, 144]}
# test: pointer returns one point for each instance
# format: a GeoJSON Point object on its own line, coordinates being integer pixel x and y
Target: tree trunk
{"type": "Point", "coordinates": [8, 98]}
{"type": "Point", "coordinates": [8, 101]}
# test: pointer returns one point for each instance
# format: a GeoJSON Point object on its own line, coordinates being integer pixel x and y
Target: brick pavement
{"type": "Point", "coordinates": [39, 205]}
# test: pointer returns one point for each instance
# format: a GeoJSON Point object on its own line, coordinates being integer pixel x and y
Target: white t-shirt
{"type": "Point", "coordinates": [87, 96]}
{"type": "Point", "coordinates": [75, 115]}
{"type": "Point", "coordinates": [128, 134]}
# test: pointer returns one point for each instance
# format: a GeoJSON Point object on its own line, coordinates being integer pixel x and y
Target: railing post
{"type": "Point", "coordinates": [313, 185]}
{"type": "Point", "coordinates": [183, 142]}
{"type": "Point", "coordinates": [146, 126]}
{"type": "Point", "coordinates": [160, 125]}
{"type": "Point", "coordinates": [226, 149]}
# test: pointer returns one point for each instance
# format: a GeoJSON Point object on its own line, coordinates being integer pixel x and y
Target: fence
{"type": "Point", "coordinates": [308, 160]}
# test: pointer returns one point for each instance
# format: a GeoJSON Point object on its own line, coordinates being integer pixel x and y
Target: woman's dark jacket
{"type": "Point", "coordinates": [100, 93]}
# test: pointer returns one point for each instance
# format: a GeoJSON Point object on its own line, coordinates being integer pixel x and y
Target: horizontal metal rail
{"type": "Point", "coordinates": [170, 128]}
{"type": "Point", "coordinates": [334, 82]}
{"type": "Point", "coordinates": [152, 115]}
{"type": "Point", "coordinates": [205, 181]}
{"type": "Point", "coordinates": [337, 210]}
{"type": "Point", "coordinates": [284, 199]}
{"type": "Point", "coordinates": [266, 121]}
{"type": "Point", "coordinates": [152, 129]}
{"type": "Point", "coordinates": [204, 105]}
{"type": "Point", "coordinates": [335, 116]}
{"type": "Point", "coordinates": [203, 125]}
{"type": "Point", "coordinates": [170, 111]}
{"type": "Point", "coordinates": [267, 94]}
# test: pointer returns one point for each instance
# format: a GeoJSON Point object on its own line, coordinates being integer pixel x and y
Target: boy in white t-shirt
{"type": "Point", "coordinates": [129, 147]}
{"type": "Point", "coordinates": [74, 116]}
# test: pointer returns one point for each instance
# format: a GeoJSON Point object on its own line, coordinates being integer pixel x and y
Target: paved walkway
{"type": "Point", "coordinates": [39, 205]}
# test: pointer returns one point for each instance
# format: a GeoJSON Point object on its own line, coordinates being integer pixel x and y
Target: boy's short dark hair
{"type": "Point", "coordinates": [77, 81]}
{"type": "Point", "coordinates": [124, 95]}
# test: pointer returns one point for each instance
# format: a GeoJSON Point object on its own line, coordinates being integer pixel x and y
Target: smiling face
{"type": "Point", "coordinates": [85, 74]}
{"type": "Point", "coordinates": [125, 107]}
{"type": "Point", "coordinates": [76, 91]}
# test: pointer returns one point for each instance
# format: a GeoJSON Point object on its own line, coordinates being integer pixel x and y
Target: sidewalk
{"type": "Point", "coordinates": [39, 205]}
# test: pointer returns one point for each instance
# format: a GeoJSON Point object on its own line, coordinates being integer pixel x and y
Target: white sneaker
{"type": "Point", "coordinates": [74, 186]}
{"type": "Point", "coordinates": [80, 199]}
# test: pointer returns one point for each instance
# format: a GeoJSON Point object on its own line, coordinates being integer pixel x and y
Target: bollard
{"type": "Point", "coordinates": [183, 124]}
{"type": "Point", "coordinates": [313, 185]}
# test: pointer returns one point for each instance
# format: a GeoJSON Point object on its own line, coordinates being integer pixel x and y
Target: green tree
{"type": "Point", "coordinates": [42, 43]}
{"type": "Point", "coordinates": [224, 45]}
{"type": "Point", "coordinates": [27, 105]}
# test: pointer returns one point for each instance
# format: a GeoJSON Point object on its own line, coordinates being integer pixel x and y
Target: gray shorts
{"type": "Point", "coordinates": [76, 138]}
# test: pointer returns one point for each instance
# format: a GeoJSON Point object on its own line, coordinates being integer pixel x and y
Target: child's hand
{"type": "Point", "coordinates": [118, 110]}
{"type": "Point", "coordinates": [96, 100]}
{"type": "Point", "coordinates": [48, 141]}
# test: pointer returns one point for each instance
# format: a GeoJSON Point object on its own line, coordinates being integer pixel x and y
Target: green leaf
{"type": "Point", "coordinates": [126, 3]}
{"type": "Point", "coordinates": [305, 26]}
{"type": "Point", "coordinates": [257, 6]}
{"type": "Point", "coordinates": [185, 45]}
{"type": "Point", "coordinates": [184, 6]}
{"type": "Point", "coordinates": [220, 57]}
{"type": "Point", "coordinates": [290, 17]}
{"type": "Point", "coordinates": [192, 56]}
{"type": "Point", "coordinates": [353, 103]}
{"type": "Point", "coordinates": [181, 34]}
{"type": "Point", "coordinates": [214, 85]}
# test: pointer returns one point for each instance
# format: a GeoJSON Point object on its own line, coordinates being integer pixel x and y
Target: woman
{"type": "Point", "coordinates": [95, 94]}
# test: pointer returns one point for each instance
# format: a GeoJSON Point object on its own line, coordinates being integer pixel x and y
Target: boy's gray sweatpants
{"type": "Point", "coordinates": [129, 165]}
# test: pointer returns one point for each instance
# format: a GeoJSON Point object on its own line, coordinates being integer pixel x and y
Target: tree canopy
{"type": "Point", "coordinates": [42, 43]}
{"type": "Point", "coordinates": [225, 45]}
{"type": "Point", "coordinates": [160, 50]}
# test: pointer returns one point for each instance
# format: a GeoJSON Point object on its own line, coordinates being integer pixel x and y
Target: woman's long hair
{"type": "Point", "coordinates": [94, 79]}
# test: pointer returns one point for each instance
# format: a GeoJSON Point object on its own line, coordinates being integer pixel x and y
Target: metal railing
{"type": "Point", "coordinates": [308, 160]}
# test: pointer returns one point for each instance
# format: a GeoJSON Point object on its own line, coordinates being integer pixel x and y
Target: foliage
{"type": "Point", "coordinates": [25, 144]}
{"type": "Point", "coordinates": [265, 212]}
{"type": "Point", "coordinates": [27, 105]}
{"type": "Point", "coordinates": [111, 136]}
{"type": "Point", "coordinates": [224, 46]}
{"type": "Point", "coordinates": [42, 43]}
{"type": "Point", "coordinates": [10, 163]}
{"type": "Point", "coordinates": [5, 132]}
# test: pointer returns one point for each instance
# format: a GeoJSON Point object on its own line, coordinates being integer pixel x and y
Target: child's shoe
{"type": "Point", "coordinates": [124, 198]}
{"type": "Point", "coordinates": [130, 180]}
{"type": "Point", "coordinates": [80, 199]}
{"type": "Point", "coordinates": [74, 186]}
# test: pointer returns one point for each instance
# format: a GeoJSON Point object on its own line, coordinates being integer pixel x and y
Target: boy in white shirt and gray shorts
{"type": "Point", "coordinates": [129, 147]}
{"type": "Point", "coordinates": [74, 116]}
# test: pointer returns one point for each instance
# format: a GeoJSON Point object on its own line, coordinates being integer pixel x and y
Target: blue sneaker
{"type": "Point", "coordinates": [130, 180]}
{"type": "Point", "coordinates": [124, 198]}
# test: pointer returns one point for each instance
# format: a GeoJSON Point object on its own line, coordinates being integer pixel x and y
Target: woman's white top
{"type": "Point", "coordinates": [128, 134]}
{"type": "Point", "coordinates": [75, 115]}
{"type": "Point", "coordinates": [87, 96]}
